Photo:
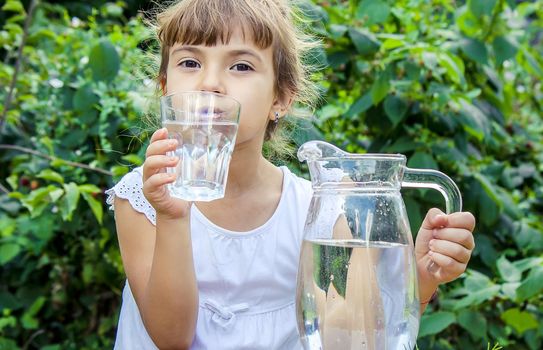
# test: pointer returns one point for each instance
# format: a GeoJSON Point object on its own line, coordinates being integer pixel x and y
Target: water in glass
{"type": "Point", "coordinates": [204, 150]}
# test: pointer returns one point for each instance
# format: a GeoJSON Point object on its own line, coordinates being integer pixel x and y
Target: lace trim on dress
{"type": "Point", "coordinates": [131, 188]}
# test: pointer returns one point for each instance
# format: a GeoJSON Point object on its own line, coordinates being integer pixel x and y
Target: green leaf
{"type": "Point", "coordinates": [475, 50]}
{"type": "Point", "coordinates": [531, 64]}
{"type": "Point", "coordinates": [374, 11]}
{"type": "Point", "coordinates": [528, 263]}
{"type": "Point", "coordinates": [85, 99]}
{"type": "Point", "coordinates": [8, 251]}
{"type": "Point", "coordinates": [521, 321]}
{"type": "Point", "coordinates": [477, 297]}
{"type": "Point", "coordinates": [476, 280]}
{"type": "Point", "coordinates": [453, 66]}
{"type": "Point", "coordinates": [95, 206]}
{"type": "Point", "coordinates": [402, 145]}
{"type": "Point", "coordinates": [51, 175]}
{"type": "Point", "coordinates": [393, 43]}
{"type": "Point", "coordinates": [133, 158]}
{"type": "Point", "coordinates": [380, 87]}
{"type": "Point", "coordinates": [13, 6]}
{"type": "Point", "coordinates": [7, 226]}
{"type": "Point", "coordinates": [532, 285]}
{"type": "Point", "coordinates": [474, 322]}
{"type": "Point", "coordinates": [8, 344]}
{"type": "Point", "coordinates": [56, 194]}
{"type": "Point", "coordinates": [488, 187]}
{"type": "Point", "coordinates": [435, 322]}
{"type": "Point", "coordinates": [364, 42]}
{"type": "Point", "coordinates": [104, 61]}
{"type": "Point", "coordinates": [504, 49]}
{"type": "Point", "coordinates": [528, 237]}
{"type": "Point", "coordinates": [507, 270]}
{"type": "Point", "coordinates": [481, 8]}
{"type": "Point", "coordinates": [360, 106]}
{"type": "Point", "coordinates": [28, 320]}
{"type": "Point", "coordinates": [69, 201]}
{"type": "Point", "coordinates": [422, 160]}
{"type": "Point", "coordinates": [395, 109]}
{"type": "Point", "coordinates": [89, 188]}
{"type": "Point", "coordinates": [87, 273]}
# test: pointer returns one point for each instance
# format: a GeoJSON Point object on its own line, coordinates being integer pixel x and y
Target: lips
{"type": "Point", "coordinates": [211, 113]}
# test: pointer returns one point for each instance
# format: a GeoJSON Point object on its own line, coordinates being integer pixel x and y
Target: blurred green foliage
{"type": "Point", "coordinates": [455, 86]}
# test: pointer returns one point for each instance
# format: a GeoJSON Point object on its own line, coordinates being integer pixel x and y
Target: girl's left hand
{"type": "Point", "coordinates": [447, 242]}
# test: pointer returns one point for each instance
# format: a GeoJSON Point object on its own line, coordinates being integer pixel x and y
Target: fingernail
{"type": "Point", "coordinates": [434, 233]}
{"type": "Point", "coordinates": [173, 142]}
{"type": "Point", "coordinates": [173, 159]}
{"type": "Point", "coordinates": [431, 243]}
{"type": "Point", "coordinates": [430, 253]}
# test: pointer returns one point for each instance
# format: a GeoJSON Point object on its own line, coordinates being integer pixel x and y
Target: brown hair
{"type": "Point", "coordinates": [268, 22]}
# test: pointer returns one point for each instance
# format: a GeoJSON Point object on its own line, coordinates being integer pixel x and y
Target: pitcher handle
{"type": "Point", "coordinates": [425, 178]}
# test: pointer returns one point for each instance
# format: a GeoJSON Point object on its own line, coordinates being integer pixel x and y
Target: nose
{"type": "Point", "coordinates": [211, 80]}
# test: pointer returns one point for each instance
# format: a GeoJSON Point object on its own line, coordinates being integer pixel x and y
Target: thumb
{"type": "Point", "coordinates": [435, 218]}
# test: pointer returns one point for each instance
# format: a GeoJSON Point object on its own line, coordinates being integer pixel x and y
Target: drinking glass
{"type": "Point", "coordinates": [205, 125]}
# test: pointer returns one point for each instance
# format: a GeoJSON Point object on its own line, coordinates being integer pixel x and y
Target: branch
{"type": "Point", "coordinates": [4, 189]}
{"type": "Point", "coordinates": [7, 100]}
{"type": "Point", "coordinates": [52, 158]}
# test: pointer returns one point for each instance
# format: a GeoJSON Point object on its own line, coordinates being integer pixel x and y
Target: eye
{"type": "Point", "coordinates": [242, 67]}
{"type": "Point", "coordinates": [189, 64]}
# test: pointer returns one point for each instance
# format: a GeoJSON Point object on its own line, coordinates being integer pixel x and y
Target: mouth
{"type": "Point", "coordinates": [211, 113]}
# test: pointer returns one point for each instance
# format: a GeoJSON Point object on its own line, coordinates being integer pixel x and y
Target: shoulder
{"type": "Point", "coordinates": [297, 190]}
{"type": "Point", "coordinates": [296, 182]}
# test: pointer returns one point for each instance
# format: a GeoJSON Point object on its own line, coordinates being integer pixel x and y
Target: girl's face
{"type": "Point", "coordinates": [238, 69]}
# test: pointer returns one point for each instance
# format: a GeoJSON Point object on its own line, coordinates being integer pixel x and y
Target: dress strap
{"type": "Point", "coordinates": [130, 187]}
{"type": "Point", "coordinates": [224, 316]}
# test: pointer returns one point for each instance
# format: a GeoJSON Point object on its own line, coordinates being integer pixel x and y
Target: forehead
{"type": "Point", "coordinates": [210, 26]}
{"type": "Point", "coordinates": [238, 43]}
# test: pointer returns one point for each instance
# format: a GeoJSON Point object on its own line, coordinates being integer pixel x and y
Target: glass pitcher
{"type": "Point", "coordinates": [357, 281]}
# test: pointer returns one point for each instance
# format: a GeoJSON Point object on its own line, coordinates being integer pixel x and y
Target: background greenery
{"type": "Point", "coordinates": [454, 85]}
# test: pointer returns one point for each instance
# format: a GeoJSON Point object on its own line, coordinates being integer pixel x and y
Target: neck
{"type": "Point", "coordinates": [248, 171]}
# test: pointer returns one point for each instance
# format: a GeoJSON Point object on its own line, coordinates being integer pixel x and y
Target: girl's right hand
{"type": "Point", "coordinates": [155, 177]}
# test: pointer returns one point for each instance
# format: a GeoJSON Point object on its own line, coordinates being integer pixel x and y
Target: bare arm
{"type": "Point", "coordinates": [158, 260]}
{"type": "Point", "coordinates": [160, 270]}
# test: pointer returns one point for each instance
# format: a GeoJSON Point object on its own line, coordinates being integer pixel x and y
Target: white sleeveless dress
{"type": "Point", "coordinates": [246, 280]}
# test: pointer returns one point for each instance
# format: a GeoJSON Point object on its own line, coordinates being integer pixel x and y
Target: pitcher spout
{"type": "Point", "coordinates": [315, 150]}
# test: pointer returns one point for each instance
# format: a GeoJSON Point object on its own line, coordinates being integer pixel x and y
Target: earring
{"type": "Point", "coordinates": [276, 120]}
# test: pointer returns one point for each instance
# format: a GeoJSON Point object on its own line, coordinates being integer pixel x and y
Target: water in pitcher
{"type": "Point", "coordinates": [357, 295]}
{"type": "Point", "coordinates": [204, 150]}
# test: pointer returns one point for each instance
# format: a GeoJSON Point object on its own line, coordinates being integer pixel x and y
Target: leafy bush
{"type": "Point", "coordinates": [77, 107]}
{"type": "Point", "coordinates": [453, 88]}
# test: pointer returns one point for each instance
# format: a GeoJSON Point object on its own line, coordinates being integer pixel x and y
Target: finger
{"type": "Point", "coordinates": [161, 147]}
{"type": "Point", "coordinates": [155, 182]}
{"type": "Point", "coordinates": [448, 266]}
{"type": "Point", "coordinates": [460, 236]}
{"type": "Point", "coordinates": [453, 250]}
{"type": "Point", "coordinates": [435, 218]}
{"type": "Point", "coordinates": [464, 220]}
{"type": "Point", "coordinates": [156, 164]}
{"type": "Point", "coordinates": [160, 134]}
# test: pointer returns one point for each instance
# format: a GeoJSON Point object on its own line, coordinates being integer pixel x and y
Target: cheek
{"type": "Point", "coordinates": [174, 82]}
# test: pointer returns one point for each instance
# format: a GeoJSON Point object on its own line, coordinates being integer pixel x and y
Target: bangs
{"type": "Point", "coordinates": [213, 21]}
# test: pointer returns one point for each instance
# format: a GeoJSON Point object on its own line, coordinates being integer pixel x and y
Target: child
{"type": "Point", "coordinates": [222, 274]}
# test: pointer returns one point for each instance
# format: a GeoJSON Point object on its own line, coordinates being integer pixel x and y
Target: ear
{"type": "Point", "coordinates": [281, 104]}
